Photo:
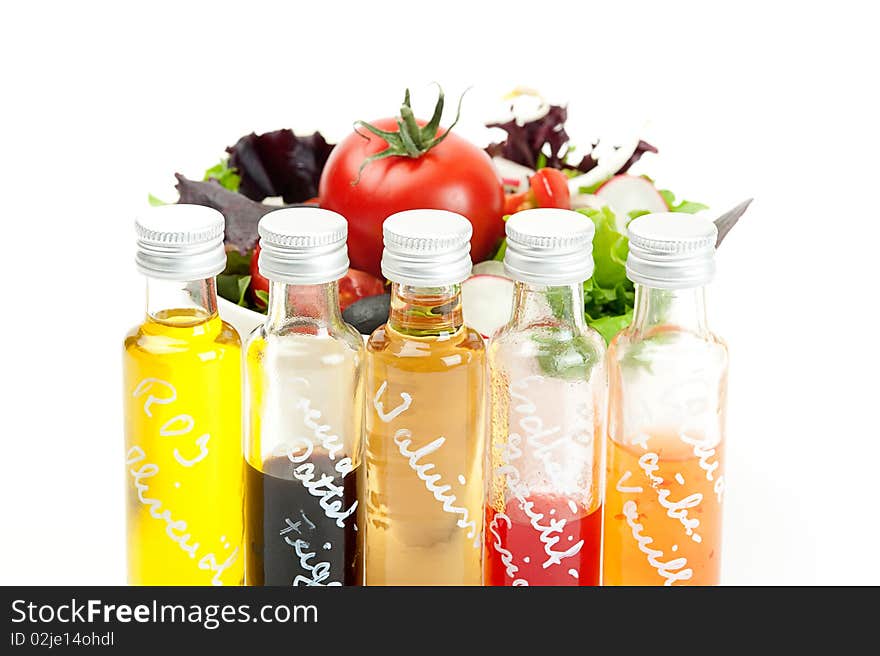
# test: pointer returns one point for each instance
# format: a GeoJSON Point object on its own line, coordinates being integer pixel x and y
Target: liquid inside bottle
{"type": "Point", "coordinates": [182, 403]}
{"type": "Point", "coordinates": [426, 388]}
{"type": "Point", "coordinates": [544, 504]}
{"type": "Point", "coordinates": [664, 511]}
{"type": "Point", "coordinates": [425, 443]}
{"type": "Point", "coordinates": [304, 419]}
{"type": "Point", "coordinates": [668, 387]}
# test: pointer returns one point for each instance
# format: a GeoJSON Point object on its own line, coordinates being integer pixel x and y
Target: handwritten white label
{"type": "Point", "coordinates": [628, 489]}
{"type": "Point", "coordinates": [174, 528]}
{"type": "Point", "coordinates": [403, 440]}
{"type": "Point", "coordinates": [649, 462]}
{"type": "Point", "coordinates": [543, 442]}
{"type": "Point", "coordinates": [161, 392]}
{"type": "Point", "coordinates": [202, 443]}
{"type": "Point", "coordinates": [319, 571]}
{"type": "Point", "coordinates": [671, 571]}
{"type": "Point", "coordinates": [179, 425]}
{"type": "Point", "coordinates": [330, 496]}
{"type": "Point", "coordinates": [506, 556]}
{"type": "Point", "coordinates": [146, 386]}
{"type": "Point", "coordinates": [548, 539]}
{"type": "Point", "coordinates": [705, 455]}
{"type": "Point", "coordinates": [399, 410]}
{"type": "Point", "coordinates": [331, 442]}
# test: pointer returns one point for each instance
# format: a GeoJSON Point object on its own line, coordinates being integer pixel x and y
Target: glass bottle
{"type": "Point", "coordinates": [544, 502]}
{"type": "Point", "coordinates": [426, 412]}
{"type": "Point", "coordinates": [304, 410]}
{"type": "Point", "coordinates": [667, 396]}
{"type": "Point", "coordinates": [182, 391]}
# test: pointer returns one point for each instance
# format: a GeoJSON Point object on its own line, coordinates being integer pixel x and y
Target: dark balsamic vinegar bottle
{"type": "Point", "coordinates": [304, 411]}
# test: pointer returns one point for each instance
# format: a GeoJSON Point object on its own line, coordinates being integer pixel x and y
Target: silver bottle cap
{"type": "Point", "coordinates": [180, 242]}
{"type": "Point", "coordinates": [670, 250]}
{"type": "Point", "coordinates": [427, 248]}
{"type": "Point", "coordinates": [549, 247]}
{"type": "Point", "coordinates": [303, 246]}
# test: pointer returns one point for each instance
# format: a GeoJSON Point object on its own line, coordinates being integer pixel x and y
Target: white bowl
{"type": "Point", "coordinates": [241, 318]}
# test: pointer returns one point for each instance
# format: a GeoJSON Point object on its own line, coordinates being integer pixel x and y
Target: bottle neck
{"type": "Point", "coordinates": [425, 311]}
{"type": "Point", "coordinates": [679, 309]}
{"type": "Point", "coordinates": [311, 309]}
{"type": "Point", "coordinates": [181, 303]}
{"type": "Point", "coordinates": [548, 305]}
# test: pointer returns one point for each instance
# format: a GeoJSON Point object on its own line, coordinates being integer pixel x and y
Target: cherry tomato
{"type": "Point", "coordinates": [516, 202]}
{"type": "Point", "coordinates": [550, 189]}
{"type": "Point", "coordinates": [258, 282]}
{"type": "Point", "coordinates": [354, 286]}
{"type": "Point", "coordinates": [357, 285]}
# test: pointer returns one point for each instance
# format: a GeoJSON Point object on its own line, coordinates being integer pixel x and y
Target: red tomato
{"type": "Point", "coordinates": [354, 286]}
{"type": "Point", "coordinates": [258, 282]}
{"type": "Point", "coordinates": [550, 189]}
{"type": "Point", "coordinates": [453, 175]}
{"type": "Point", "coordinates": [357, 285]}
{"type": "Point", "coordinates": [516, 202]}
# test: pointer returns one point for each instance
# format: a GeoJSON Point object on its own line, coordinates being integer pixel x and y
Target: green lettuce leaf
{"type": "Point", "coordinates": [561, 354]}
{"type": "Point", "coordinates": [610, 249]}
{"type": "Point", "coordinates": [686, 206]}
{"type": "Point", "coordinates": [609, 326]}
{"type": "Point", "coordinates": [226, 176]}
{"type": "Point", "coordinates": [238, 264]}
{"type": "Point", "coordinates": [233, 288]}
{"type": "Point", "coordinates": [609, 294]}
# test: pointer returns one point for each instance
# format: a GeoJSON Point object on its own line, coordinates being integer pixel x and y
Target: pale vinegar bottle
{"type": "Point", "coordinates": [426, 412]}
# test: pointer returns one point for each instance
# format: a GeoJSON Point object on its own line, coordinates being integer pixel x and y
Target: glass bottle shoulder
{"type": "Point", "coordinates": [304, 341]}
{"type": "Point", "coordinates": [181, 334]}
{"type": "Point", "coordinates": [388, 342]}
{"type": "Point", "coordinates": [556, 349]}
{"type": "Point", "coordinates": [666, 347]}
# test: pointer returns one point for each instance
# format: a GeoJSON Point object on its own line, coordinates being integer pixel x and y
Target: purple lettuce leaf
{"type": "Point", "coordinates": [279, 163]}
{"type": "Point", "coordinates": [242, 214]}
{"type": "Point", "coordinates": [641, 149]}
{"type": "Point", "coordinates": [530, 143]}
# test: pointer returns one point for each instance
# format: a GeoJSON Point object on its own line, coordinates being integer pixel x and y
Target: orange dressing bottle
{"type": "Point", "coordinates": [667, 397]}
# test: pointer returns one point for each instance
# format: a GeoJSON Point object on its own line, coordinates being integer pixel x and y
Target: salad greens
{"type": "Point", "coordinates": [564, 355]}
{"type": "Point", "coordinates": [233, 283]}
{"type": "Point", "coordinates": [227, 177]}
{"type": "Point", "coordinates": [544, 142]}
{"type": "Point", "coordinates": [686, 206]}
{"type": "Point", "coordinates": [609, 295]}
{"type": "Point", "coordinates": [242, 214]}
{"type": "Point", "coordinates": [283, 164]}
{"type": "Point", "coordinates": [279, 163]}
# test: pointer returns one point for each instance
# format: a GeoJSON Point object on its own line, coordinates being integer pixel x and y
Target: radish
{"type": "Point", "coordinates": [514, 177]}
{"type": "Point", "coordinates": [489, 268]}
{"type": "Point", "coordinates": [487, 302]}
{"type": "Point", "coordinates": [630, 193]}
{"type": "Point", "coordinates": [581, 201]}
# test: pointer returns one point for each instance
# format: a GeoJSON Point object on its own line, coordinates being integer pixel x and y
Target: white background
{"type": "Point", "coordinates": [102, 103]}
